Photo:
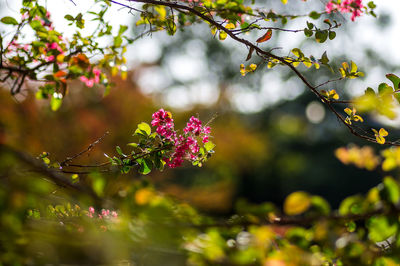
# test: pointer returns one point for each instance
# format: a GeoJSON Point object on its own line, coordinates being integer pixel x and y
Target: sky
{"type": "Point", "coordinates": [189, 67]}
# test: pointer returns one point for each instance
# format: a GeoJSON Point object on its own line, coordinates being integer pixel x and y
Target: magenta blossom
{"type": "Point", "coordinates": [346, 6]}
{"type": "Point", "coordinates": [186, 146]}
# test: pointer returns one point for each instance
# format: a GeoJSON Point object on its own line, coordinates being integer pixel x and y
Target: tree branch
{"type": "Point", "coordinates": [266, 54]}
{"type": "Point", "coordinates": [40, 167]}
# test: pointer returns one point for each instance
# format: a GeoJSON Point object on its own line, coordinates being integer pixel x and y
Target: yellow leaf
{"type": "Point", "coordinates": [222, 35]}
{"type": "Point", "coordinates": [213, 30]}
{"type": "Point", "coordinates": [358, 118]}
{"type": "Point", "coordinates": [242, 70]}
{"type": "Point", "coordinates": [114, 71]}
{"type": "Point", "coordinates": [380, 140]}
{"type": "Point", "coordinates": [383, 132]}
{"type": "Point", "coordinates": [284, 1]}
{"type": "Point", "coordinates": [230, 26]}
{"type": "Point", "coordinates": [333, 94]}
{"type": "Point", "coordinates": [296, 52]}
{"type": "Point", "coordinates": [124, 75]}
{"type": "Point", "coordinates": [161, 10]}
{"type": "Point", "coordinates": [389, 164]}
{"type": "Point", "coordinates": [297, 203]}
{"type": "Point", "coordinates": [253, 67]}
{"type": "Point", "coordinates": [348, 111]}
{"type": "Point", "coordinates": [307, 64]}
{"type": "Point", "coordinates": [60, 58]}
{"type": "Point", "coordinates": [353, 67]}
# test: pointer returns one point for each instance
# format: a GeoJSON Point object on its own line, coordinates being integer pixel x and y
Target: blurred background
{"type": "Point", "coordinates": [273, 137]}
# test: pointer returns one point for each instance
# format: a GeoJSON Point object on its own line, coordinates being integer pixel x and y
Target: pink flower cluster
{"type": "Point", "coordinates": [94, 77]}
{"type": "Point", "coordinates": [105, 214]}
{"type": "Point", "coordinates": [346, 6]}
{"type": "Point", "coordinates": [50, 52]}
{"type": "Point", "coordinates": [54, 49]}
{"type": "Point", "coordinates": [186, 146]}
{"type": "Point", "coordinates": [164, 124]}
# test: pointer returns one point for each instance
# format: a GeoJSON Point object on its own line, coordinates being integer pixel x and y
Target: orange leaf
{"type": "Point", "coordinates": [60, 74]}
{"type": "Point", "coordinates": [265, 37]}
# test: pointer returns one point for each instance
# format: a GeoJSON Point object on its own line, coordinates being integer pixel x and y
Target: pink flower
{"type": "Point", "coordinates": [91, 212]}
{"type": "Point", "coordinates": [193, 126]}
{"type": "Point", "coordinates": [186, 146]}
{"type": "Point", "coordinates": [50, 58]}
{"type": "Point", "coordinates": [88, 82]}
{"type": "Point", "coordinates": [83, 79]}
{"type": "Point", "coordinates": [164, 123]}
{"type": "Point", "coordinates": [96, 73]}
{"type": "Point", "coordinates": [346, 6]}
{"type": "Point", "coordinates": [207, 130]}
{"type": "Point", "coordinates": [329, 7]}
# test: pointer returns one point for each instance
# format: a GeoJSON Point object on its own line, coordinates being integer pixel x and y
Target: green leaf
{"type": "Point", "coordinates": [321, 36]}
{"type": "Point", "coordinates": [307, 32]}
{"type": "Point", "coordinates": [395, 80]}
{"type": "Point", "coordinates": [371, 5]}
{"type": "Point", "coordinates": [145, 166]}
{"type": "Point", "coordinates": [9, 21]}
{"type": "Point", "coordinates": [351, 205]}
{"type": "Point", "coordinates": [56, 101]}
{"type": "Point", "coordinates": [117, 41]}
{"type": "Point", "coordinates": [35, 24]}
{"type": "Point", "coordinates": [324, 59]}
{"type": "Point", "coordinates": [99, 185]}
{"type": "Point", "coordinates": [69, 17]}
{"type": "Point", "coordinates": [122, 29]}
{"type": "Point", "coordinates": [391, 190]}
{"type": "Point", "coordinates": [351, 226]}
{"type": "Point", "coordinates": [209, 146]}
{"type": "Point", "coordinates": [369, 91]}
{"type": "Point", "coordinates": [332, 35]}
{"type": "Point", "coordinates": [119, 151]}
{"type": "Point", "coordinates": [314, 15]}
{"type": "Point", "coordinates": [143, 128]}
{"type": "Point", "coordinates": [321, 205]}
{"type": "Point", "coordinates": [299, 236]}
{"type": "Point", "coordinates": [381, 228]}
{"type": "Point", "coordinates": [384, 88]}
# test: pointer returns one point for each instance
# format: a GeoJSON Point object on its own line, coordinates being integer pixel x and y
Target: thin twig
{"type": "Point", "coordinates": [88, 149]}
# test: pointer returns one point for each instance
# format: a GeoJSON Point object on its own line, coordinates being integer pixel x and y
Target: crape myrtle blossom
{"type": "Point", "coordinates": [94, 77]}
{"type": "Point", "coordinates": [164, 124]}
{"type": "Point", "coordinates": [185, 146]}
{"type": "Point", "coordinates": [346, 6]}
{"type": "Point", "coordinates": [104, 214]}
{"type": "Point", "coordinates": [51, 50]}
